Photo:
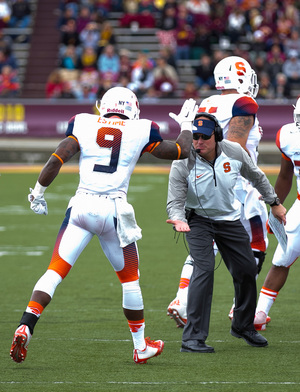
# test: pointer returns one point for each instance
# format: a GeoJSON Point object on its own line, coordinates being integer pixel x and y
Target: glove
{"type": "Point", "coordinates": [38, 203]}
{"type": "Point", "coordinates": [187, 115]}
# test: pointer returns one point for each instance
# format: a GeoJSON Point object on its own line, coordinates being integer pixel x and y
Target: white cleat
{"type": "Point", "coordinates": [177, 312]}
{"type": "Point", "coordinates": [261, 320]}
{"type": "Point", "coordinates": [153, 349]}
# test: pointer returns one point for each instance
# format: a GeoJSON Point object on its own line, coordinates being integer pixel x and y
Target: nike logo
{"type": "Point", "coordinates": [200, 175]}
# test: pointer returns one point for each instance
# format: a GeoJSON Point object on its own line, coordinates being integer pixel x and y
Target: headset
{"type": "Point", "coordinates": [218, 128]}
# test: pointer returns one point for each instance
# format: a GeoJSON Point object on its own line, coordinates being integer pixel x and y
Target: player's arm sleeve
{"type": "Point", "coordinates": [154, 139]}
{"type": "Point", "coordinates": [244, 106]}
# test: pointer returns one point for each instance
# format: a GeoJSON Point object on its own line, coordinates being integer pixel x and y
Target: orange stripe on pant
{"type": "Point", "coordinates": [58, 264]}
{"type": "Point", "coordinates": [130, 271]}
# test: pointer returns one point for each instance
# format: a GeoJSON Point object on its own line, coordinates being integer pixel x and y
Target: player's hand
{"type": "Point", "coordinates": [187, 115]}
{"type": "Point", "coordinates": [179, 225]}
{"type": "Point", "coordinates": [38, 203]}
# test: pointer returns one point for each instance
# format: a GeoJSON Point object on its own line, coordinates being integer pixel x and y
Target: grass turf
{"type": "Point", "coordinates": [83, 343]}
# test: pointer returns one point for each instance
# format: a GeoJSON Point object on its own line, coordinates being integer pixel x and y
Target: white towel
{"type": "Point", "coordinates": [127, 229]}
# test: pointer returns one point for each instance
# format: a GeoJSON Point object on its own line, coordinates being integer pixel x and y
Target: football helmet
{"type": "Point", "coordinates": [119, 100]}
{"type": "Point", "coordinates": [297, 113]}
{"type": "Point", "coordinates": [234, 72]}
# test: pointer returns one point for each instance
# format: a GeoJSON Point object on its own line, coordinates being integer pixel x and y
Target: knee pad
{"type": "Point", "coordinates": [259, 258]}
{"type": "Point", "coordinates": [132, 296]}
{"type": "Point", "coordinates": [48, 282]}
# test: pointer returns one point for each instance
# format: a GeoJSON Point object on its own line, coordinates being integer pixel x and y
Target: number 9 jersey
{"type": "Point", "coordinates": [110, 149]}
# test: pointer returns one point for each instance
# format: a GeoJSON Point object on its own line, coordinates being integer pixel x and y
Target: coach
{"type": "Point", "coordinates": [201, 202]}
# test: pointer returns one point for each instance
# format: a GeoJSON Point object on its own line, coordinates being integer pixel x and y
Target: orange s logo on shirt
{"type": "Point", "coordinates": [227, 167]}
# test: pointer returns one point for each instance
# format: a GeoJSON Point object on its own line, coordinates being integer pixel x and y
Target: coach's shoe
{"type": "Point", "coordinates": [195, 346]}
{"type": "Point", "coordinates": [251, 337]}
{"type": "Point", "coordinates": [20, 343]}
{"type": "Point", "coordinates": [153, 348]}
{"type": "Point", "coordinates": [261, 320]}
{"type": "Point", "coordinates": [177, 312]}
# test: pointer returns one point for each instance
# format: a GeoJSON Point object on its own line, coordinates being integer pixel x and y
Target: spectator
{"type": "Point", "coordinates": [190, 91]}
{"type": "Point", "coordinates": [67, 91]}
{"type": "Point", "coordinates": [125, 65]}
{"type": "Point", "coordinates": [201, 42]}
{"type": "Point", "coordinates": [7, 59]}
{"type": "Point", "coordinates": [6, 43]}
{"type": "Point", "coordinates": [103, 8]}
{"type": "Point", "coordinates": [291, 67]}
{"type": "Point", "coordinates": [21, 14]}
{"type": "Point", "coordinates": [236, 24]}
{"type": "Point", "coordinates": [84, 18]}
{"type": "Point", "coordinates": [69, 58]}
{"type": "Point", "coordinates": [90, 36]}
{"type": "Point", "coordinates": [54, 85]}
{"type": "Point", "coordinates": [168, 54]}
{"type": "Point", "coordinates": [67, 12]}
{"type": "Point", "coordinates": [88, 60]}
{"type": "Point", "coordinates": [292, 42]}
{"type": "Point", "coordinates": [69, 33]}
{"type": "Point", "coordinates": [200, 11]}
{"type": "Point", "coordinates": [86, 92]}
{"type": "Point", "coordinates": [109, 63]}
{"type": "Point", "coordinates": [146, 12]}
{"type": "Point", "coordinates": [5, 13]}
{"type": "Point", "coordinates": [165, 78]}
{"type": "Point", "coordinates": [274, 63]}
{"type": "Point", "coordinates": [141, 77]}
{"type": "Point", "coordinates": [266, 90]}
{"type": "Point", "coordinates": [282, 88]}
{"type": "Point", "coordinates": [183, 37]}
{"type": "Point", "coordinates": [167, 25]}
{"type": "Point", "coordinates": [204, 73]}
{"type": "Point", "coordinates": [9, 84]}
{"type": "Point", "coordinates": [107, 36]}
{"type": "Point", "coordinates": [105, 85]}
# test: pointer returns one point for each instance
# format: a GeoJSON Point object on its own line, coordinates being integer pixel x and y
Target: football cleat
{"type": "Point", "coordinates": [153, 349]}
{"type": "Point", "coordinates": [20, 343]}
{"type": "Point", "coordinates": [268, 319]}
{"type": "Point", "coordinates": [261, 320]}
{"type": "Point", "coordinates": [177, 312]}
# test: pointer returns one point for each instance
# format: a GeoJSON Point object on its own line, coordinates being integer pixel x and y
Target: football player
{"type": "Point", "coordinates": [110, 145]}
{"type": "Point", "coordinates": [288, 142]}
{"type": "Point", "coordinates": [236, 111]}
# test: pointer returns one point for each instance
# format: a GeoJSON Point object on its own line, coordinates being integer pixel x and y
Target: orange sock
{"type": "Point", "coordinates": [34, 308]}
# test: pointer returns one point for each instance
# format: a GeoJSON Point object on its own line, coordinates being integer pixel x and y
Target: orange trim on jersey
{"type": "Point", "coordinates": [36, 308]}
{"type": "Point", "coordinates": [179, 150]}
{"type": "Point", "coordinates": [130, 272]}
{"type": "Point", "coordinates": [183, 283]}
{"type": "Point", "coordinates": [285, 157]}
{"type": "Point", "coordinates": [59, 158]}
{"type": "Point", "coordinates": [73, 137]}
{"type": "Point", "coordinates": [298, 195]}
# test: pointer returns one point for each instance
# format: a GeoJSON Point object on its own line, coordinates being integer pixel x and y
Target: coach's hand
{"type": "Point", "coordinates": [38, 203]}
{"type": "Point", "coordinates": [179, 225]}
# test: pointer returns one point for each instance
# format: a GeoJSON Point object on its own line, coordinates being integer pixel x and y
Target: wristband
{"type": "Point", "coordinates": [187, 126]}
{"type": "Point", "coordinates": [39, 189]}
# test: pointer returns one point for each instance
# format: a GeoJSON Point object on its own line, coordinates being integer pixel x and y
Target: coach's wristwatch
{"type": "Point", "coordinates": [276, 202]}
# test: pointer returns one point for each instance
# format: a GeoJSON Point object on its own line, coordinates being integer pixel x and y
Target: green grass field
{"type": "Point", "coordinates": [83, 343]}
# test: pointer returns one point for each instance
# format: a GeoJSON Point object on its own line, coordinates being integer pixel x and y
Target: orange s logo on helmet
{"type": "Point", "coordinates": [240, 67]}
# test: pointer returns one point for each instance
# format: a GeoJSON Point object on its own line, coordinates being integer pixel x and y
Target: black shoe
{"type": "Point", "coordinates": [251, 337]}
{"type": "Point", "coordinates": [196, 346]}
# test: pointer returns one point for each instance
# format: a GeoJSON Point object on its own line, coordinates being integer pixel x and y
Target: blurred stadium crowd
{"type": "Point", "coordinates": [90, 61]}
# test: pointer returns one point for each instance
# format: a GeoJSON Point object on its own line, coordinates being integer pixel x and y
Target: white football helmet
{"type": "Point", "coordinates": [297, 113]}
{"type": "Point", "coordinates": [234, 72]}
{"type": "Point", "coordinates": [119, 100]}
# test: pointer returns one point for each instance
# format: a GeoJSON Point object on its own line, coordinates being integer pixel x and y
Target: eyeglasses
{"type": "Point", "coordinates": [197, 136]}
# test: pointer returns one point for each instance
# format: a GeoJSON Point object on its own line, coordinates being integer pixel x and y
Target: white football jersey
{"type": "Point", "coordinates": [109, 150]}
{"type": "Point", "coordinates": [224, 107]}
{"type": "Point", "coordinates": [288, 142]}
